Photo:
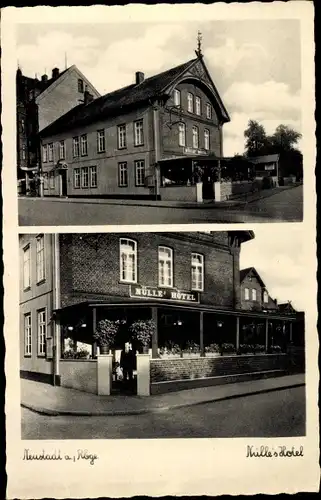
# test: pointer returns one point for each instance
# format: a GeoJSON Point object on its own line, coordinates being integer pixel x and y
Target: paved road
{"type": "Point", "coordinates": [275, 414]}
{"type": "Point", "coordinates": [284, 206]}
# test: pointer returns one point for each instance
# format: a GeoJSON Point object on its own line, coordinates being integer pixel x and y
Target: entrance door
{"type": "Point", "coordinates": [119, 385]}
{"type": "Point", "coordinates": [63, 183]}
{"type": "Point", "coordinates": [208, 188]}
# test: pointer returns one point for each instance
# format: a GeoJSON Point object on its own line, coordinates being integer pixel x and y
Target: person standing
{"type": "Point", "coordinates": [127, 362]}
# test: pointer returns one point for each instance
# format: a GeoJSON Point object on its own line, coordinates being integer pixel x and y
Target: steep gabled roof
{"type": "Point", "coordinates": [116, 101]}
{"type": "Point", "coordinates": [34, 83]}
{"type": "Point", "coordinates": [286, 307]}
{"type": "Point", "coordinates": [245, 272]}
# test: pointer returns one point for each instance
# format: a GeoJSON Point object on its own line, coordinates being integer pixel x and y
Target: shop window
{"type": "Point", "coordinates": [128, 260]}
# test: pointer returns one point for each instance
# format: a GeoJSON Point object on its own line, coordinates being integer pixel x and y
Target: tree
{"type": "Point", "coordinates": [284, 139]}
{"type": "Point", "coordinates": [256, 139]}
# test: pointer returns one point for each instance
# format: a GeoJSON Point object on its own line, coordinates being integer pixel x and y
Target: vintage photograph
{"type": "Point", "coordinates": [159, 123]}
{"type": "Point", "coordinates": [161, 335]}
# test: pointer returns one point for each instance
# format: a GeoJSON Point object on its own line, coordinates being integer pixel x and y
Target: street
{"type": "Point", "coordinates": [274, 414]}
{"type": "Point", "coordinates": [284, 206]}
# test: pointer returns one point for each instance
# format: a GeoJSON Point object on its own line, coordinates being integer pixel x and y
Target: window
{"type": "Point", "coordinates": [246, 294]}
{"type": "Point", "coordinates": [198, 105]}
{"type": "Point", "coordinates": [41, 327]}
{"type": "Point", "coordinates": [265, 297]}
{"type": "Point", "coordinates": [40, 260]}
{"type": "Point", "coordinates": [75, 142]}
{"type": "Point", "coordinates": [61, 150]}
{"type": "Point", "coordinates": [138, 133]}
{"type": "Point", "coordinates": [177, 97]}
{"type": "Point", "coordinates": [52, 180]}
{"type": "Point", "coordinates": [26, 267]}
{"type": "Point", "coordinates": [80, 85]}
{"type": "Point", "coordinates": [128, 260]}
{"type": "Point", "coordinates": [181, 134]}
{"type": "Point", "coordinates": [121, 136]}
{"type": "Point", "coordinates": [50, 152]}
{"type": "Point", "coordinates": [93, 177]}
{"type": "Point", "coordinates": [206, 139]}
{"type": "Point", "coordinates": [197, 272]}
{"type": "Point", "coordinates": [23, 123]}
{"type": "Point", "coordinates": [190, 102]}
{"type": "Point", "coordinates": [44, 153]}
{"type": "Point", "coordinates": [83, 143]}
{"type": "Point", "coordinates": [208, 111]}
{"type": "Point", "coordinates": [28, 337]}
{"type": "Point", "coordinates": [101, 143]}
{"type": "Point", "coordinates": [122, 174]}
{"type": "Point", "coordinates": [253, 294]}
{"type": "Point", "coordinates": [165, 266]}
{"type": "Point", "coordinates": [77, 178]}
{"type": "Point", "coordinates": [23, 152]}
{"type": "Point", "coordinates": [84, 177]}
{"type": "Point", "coordinates": [195, 137]}
{"type": "Point", "coordinates": [140, 173]}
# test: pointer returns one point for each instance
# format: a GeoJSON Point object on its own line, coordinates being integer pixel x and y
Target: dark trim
{"type": "Point", "coordinates": [46, 378]}
{"type": "Point", "coordinates": [41, 282]}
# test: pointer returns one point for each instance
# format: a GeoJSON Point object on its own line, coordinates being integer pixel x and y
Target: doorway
{"type": "Point", "coordinates": [63, 183]}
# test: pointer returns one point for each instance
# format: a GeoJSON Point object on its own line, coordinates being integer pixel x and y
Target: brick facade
{"type": "Point", "coordinates": [90, 269]}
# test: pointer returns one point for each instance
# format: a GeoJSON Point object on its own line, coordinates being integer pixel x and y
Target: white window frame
{"type": "Point", "coordinates": [27, 267]}
{"type": "Point", "coordinates": [246, 293]}
{"type": "Point", "coordinates": [62, 151]}
{"type": "Point", "coordinates": [197, 272]}
{"type": "Point", "coordinates": [182, 134]}
{"type": "Point", "coordinates": [77, 178]}
{"type": "Point", "coordinates": [139, 173]}
{"type": "Point", "coordinates": [50, 152]}
{"type": "Point", "coordinates": [139, 132]}
{"type": "Point", "coordinates": [208, 111]}
{"type": "Point", "coordinates": [27, 325]}
{"type": "Point", "coordinates": [190, 102]}
{"type": "Point", "coordinates": [101, 141]}
{"type": "Point", "coordinates": [45, 153]}
{"type": "Point", "coordinates": [177, 97]}
{"type": "Point", "coordinates": [195, 134]}
{"type": "Point", "coordinates": [40, 258]}
{"type": "Point", "coordinates": [265, 297]}
{"type": "Point", "coordinates": [84, 175]}
{"type": "Point", "coordinates": [206, 139]}
{"type": "Point", "coordinates": [122, 174]}
{"type": "Point", "coordinates": [83, 145]}
{"type": "Point", "coordinates": [93, 176]}
{"type": "Point", "coordinates": [41, 331]}
{"type": "Point", "coordinates": [75, 147]}
{"type": "Point", "coordinates": [122, 136]}
{"type": "Point", "coordinates": [254, 294]}
{"type": "Point", "coordinates": [165, 276]}
{"type": "Point", "coordinates": [198, 106]}
{"type": "Point", "coordinates": [127, 260]}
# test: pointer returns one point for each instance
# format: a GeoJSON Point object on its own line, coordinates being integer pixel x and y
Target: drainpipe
{"type": "Point", "coordinates": [56, 305]}
{"type": "Point", "coordinates": [157, 147]}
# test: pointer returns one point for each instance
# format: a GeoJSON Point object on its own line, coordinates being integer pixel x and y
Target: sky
{"type": "Point", "coordinates": [279, 258]}
{"type": "Point", "coordinates": [255, 65]}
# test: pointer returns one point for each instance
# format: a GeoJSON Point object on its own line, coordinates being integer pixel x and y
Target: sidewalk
{"type": "Point", "coordinates": [49, 400]}
{"type": "Point", "coordinates": [235, 203]}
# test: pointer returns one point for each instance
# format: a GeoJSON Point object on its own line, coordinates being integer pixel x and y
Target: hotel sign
{"type": "Point", "coordinates": [172, 294]}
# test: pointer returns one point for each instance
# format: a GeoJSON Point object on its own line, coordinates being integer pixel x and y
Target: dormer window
{"type": "Point", "coordinates": [80, 85]}
{"type": "Point", "coordinates": [208, 111]}
{"type": "Point", "coordinates": [265, 297]}
{"type": "Point", "coordinates": [177, 97]}
{"type": "Point", "coordinates": [190, 102]}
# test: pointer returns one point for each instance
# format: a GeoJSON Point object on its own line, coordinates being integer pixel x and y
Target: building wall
{"type": "Point", "coordinates": [169, 134]}
{"type": "Point", "coordinates": [251, 282]}
{"type": "Point", "coordinates": [106, 162]}
{"type": "Point", "coordinates": [89, 270]}
{"type": "Point", "coordinates": [37, 296]}
{"type": "Point", "coordinates": [62, 96]}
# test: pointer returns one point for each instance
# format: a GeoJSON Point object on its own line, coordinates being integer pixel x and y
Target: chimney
{"type": "Point", "coordinates": [44, 78]}
{"type": "Point", "coordinates": [55, 73]}
{"type": "Point", "coordinates": [88, 97]}
{"type": "Point", "coordinates": [140, 77]}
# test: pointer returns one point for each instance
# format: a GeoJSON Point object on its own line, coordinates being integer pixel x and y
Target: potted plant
{"type": "Point", "coordinates": [105, 334]}
{"type": "Point", "coordinates": [142, 331]}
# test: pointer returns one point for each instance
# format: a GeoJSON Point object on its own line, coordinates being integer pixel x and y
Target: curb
{"type": "Point", "coordinates": [118, 413]}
